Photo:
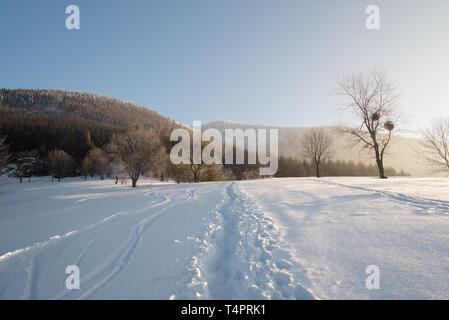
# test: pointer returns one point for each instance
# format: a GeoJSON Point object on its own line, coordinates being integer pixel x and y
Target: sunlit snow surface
{"type": "Point", "coordinates": [265, 239]}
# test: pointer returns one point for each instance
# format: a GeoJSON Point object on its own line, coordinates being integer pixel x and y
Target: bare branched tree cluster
{"type": "Point", "coordinates": [435, 145]}
{"type": "Point", "coordinates": [139, 152]}
{"type": "Point", "coordinates": [61, 164]}
{"type": "Point", "coordinates": [317, 147]}
{"type": "Point", "coordinates": [96, 163]}
{"type": "Point", "coordinates": [372, 100]}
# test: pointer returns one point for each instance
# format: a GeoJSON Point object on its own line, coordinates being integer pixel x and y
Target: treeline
{"type": "Point", "coordinates": [66, 134]}
{"type": "Point", "coordinates": [289, 167]}
{"type": "Point", "coordinates": [42, 132]}
{"type": "Point", "coordinates": [131, 154]}
{"type": "Point", "coordinates": [63, 134]}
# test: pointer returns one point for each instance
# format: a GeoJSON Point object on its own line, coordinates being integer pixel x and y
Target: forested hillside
{"type": "Point", "coordinates": [44, 120]}
{"type": "Point", "coordinates": [85, 105]}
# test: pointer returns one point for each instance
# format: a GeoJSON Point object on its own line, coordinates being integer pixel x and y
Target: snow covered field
{"type": "Point", "coordinates": [266, 239]}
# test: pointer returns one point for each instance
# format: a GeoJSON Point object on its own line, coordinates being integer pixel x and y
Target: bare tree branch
{"type": "Point", "coordinates": [317, 146]}
{"type": "Point", "coordinates": [139, 151]}
{"type": "Point", "coordinates": [371, 99]}
{"type": "Point", "coordinates": [435, 146]}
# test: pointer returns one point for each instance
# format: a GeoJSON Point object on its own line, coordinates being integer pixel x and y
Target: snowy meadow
{"type": "Point", "coordinates": [292, 238]}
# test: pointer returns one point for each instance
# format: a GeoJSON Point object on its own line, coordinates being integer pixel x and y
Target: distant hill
{"type": "Point", "coordinates": [43, 120]}
{"type": "Point", "coordinates": [402, 153]}
{"type": "Point", "coordinates": [84, 105]}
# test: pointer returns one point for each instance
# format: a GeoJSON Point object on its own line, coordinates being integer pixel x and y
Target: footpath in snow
{"type": "Point", "coordinates": [263, 239]}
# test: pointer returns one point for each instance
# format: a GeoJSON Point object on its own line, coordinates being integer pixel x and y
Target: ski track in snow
{"type": "Point", "coordinates": [116, 260]}
{"type": "Point", "coordinates": [55, 238]}
{"type": "Point", "coordinates": [425, 206]}
{"type": "Point", "coordinates": [239, 247]}
{"type": "Point", "coordinates": [241, 259]}
{"type": "Point", "coordinates": [78, 232]}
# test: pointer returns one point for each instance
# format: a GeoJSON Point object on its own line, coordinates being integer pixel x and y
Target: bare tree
{"type": "Point", "coordinates": [196, 170]}
{"type": "Point", "coordinates": [316, 144]}
{"type": "Point", "coordinates": [139, 151]}
{"type": "Point", "coordinates": [117, 168]}
{"type": "Point", "coordinates": [27, 164]}
{"type": "Point", "coordinates": [4, 153]}
{"type": "Point", "coordinates": [96, 163]}
{"type": "Point", "coordinates": [203, 171]}
{"type": "Point", "coordinates": [61, 164]}
{"type": "Point", "coordinates": [372, 99]}
{"type": "Point", "coordinates": [86, 167]}
{"type": "Point", "coordinates": [435, 145]}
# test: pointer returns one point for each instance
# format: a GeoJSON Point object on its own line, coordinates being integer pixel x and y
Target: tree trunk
{"type": "Point", "coordinates": [380, 166]}
{"type": "Point", "coordinates": [379, 161]}
{"type": "Point", "coordinates": [317, 170]}
{"type": "Point", "coordinates": [134, 182]}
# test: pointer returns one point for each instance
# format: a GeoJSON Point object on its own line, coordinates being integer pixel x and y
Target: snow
{"type": "Point", "coordinates": [298, 238]}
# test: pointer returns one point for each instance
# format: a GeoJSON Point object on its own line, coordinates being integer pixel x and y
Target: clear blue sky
{"type": "Point", "coordinates": [259, 61]}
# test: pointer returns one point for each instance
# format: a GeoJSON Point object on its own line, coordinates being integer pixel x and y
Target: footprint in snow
{"type": "Point", "coordinates": [284, 264]}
